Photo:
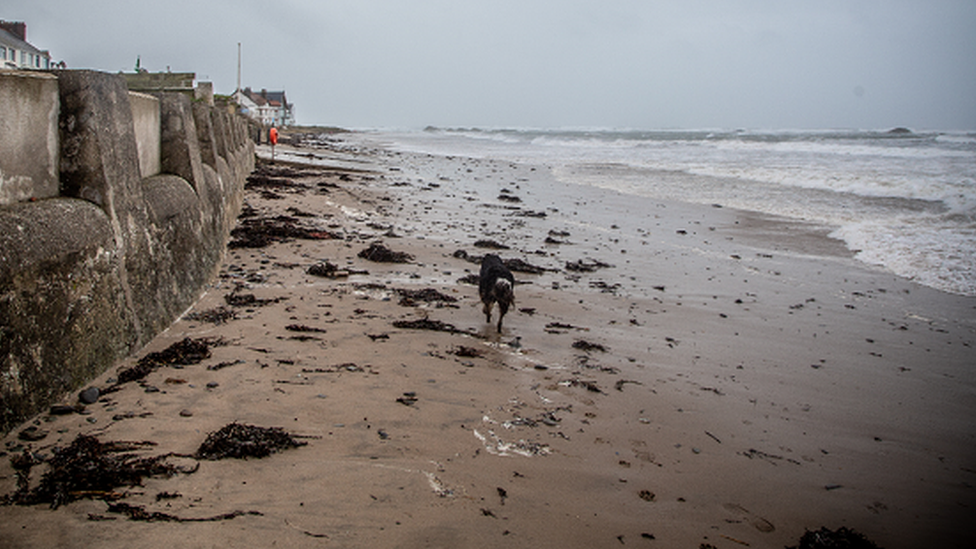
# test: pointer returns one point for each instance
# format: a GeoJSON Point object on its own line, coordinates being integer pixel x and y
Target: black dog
{"type": "Point", "coordinates": [496, 285]}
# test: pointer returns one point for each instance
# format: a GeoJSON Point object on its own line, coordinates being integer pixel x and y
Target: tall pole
{"type": "Point", "coordinates": [238, 66]}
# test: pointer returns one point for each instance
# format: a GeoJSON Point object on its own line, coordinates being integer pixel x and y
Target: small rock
{"type": "Point", "coordinates": [212, 385]}
{"type": "Point", "coordinates": [61, 410]}
{"type": "Point", "coordinates": [89, 395]}
{"type": "Point", "coordinates": [186, 413]}
{"type": "Point", "coordinates": [32, 434]}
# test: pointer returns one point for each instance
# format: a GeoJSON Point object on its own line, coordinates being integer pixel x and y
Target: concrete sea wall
{"type": "Point", "coordinates": [115, 209]}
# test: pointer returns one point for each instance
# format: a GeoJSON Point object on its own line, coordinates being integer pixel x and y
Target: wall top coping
{"type": "Point", "coordinates": [27, 74]}
{"type": "Point", "coordinates": [143, 95]}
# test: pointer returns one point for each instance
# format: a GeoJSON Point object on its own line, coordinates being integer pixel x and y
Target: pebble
{"type": "Point", "coordinates": [61, 410]}
{"type": "Point", "coordinates": [186, 413]}
{"type": "Point", "coordinates": [32, 434]}
{"type": "Point", "coordinates": [212, 385]}
{"type": "Point", "coordinates": [89, 395]}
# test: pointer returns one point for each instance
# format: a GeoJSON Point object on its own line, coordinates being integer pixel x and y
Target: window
{"type": "Point", "coordinates": [3, 53]}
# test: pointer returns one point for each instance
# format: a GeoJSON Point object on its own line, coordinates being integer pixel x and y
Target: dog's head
{"type": "Point", "coordinates": [504, 294]}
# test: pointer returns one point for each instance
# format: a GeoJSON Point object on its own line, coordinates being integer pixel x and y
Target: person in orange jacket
{"type": "Point", "coordinates": [273, 138]}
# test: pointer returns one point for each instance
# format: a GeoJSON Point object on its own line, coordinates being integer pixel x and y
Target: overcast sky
{"type": "Point", "coordinates": [790, 64]}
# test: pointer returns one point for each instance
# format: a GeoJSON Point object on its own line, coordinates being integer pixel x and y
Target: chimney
{"type": "Point", "coordinates": [264, 93]}
{"type": "Point", "coordinates": [16, 28]}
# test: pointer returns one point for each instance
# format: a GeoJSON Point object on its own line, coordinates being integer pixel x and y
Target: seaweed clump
{"type": "Point", "coordinates": [587, 346]}
{"type": "Point", "coordinates": [259, 232]}
{"type": "Point", "coordinates": [381, 254]}
{"type": "Point", "coordinates": [236, 440]}
{"type": "Point", "coordinates": [586, 265]}
{"type": "Point", "coordinates": [88, 468]}
{"type": "Point", "coordinates": [409, 298]}
{"type": "Point", "coordinates": [182, 353]}
{"type": "Point", "coordinates": [427, 324]}
{"type": "Point", "coordinates": [842, 538]}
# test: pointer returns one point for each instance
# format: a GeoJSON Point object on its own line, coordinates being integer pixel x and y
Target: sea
{"type": "Point", "coordinates": [902, 200]}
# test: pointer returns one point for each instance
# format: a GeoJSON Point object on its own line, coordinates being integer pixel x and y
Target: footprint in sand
{"type": "Point", "coordinates": [757, 522]}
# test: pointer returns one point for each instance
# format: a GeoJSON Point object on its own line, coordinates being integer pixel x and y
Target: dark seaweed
{"type": "Point", "coordinates": [258, 232]}
{"type": "Point", "coordinates": [218, 315]}
{"type": "Point", "coordinates": [381, 254]}
{"type": "Point", "coordinates": [586, 265]}
{"type": "Point", "coordinates": [236, 440]}
{"type": "Point", "coordinates": [408, 298]}
{"type": "Point", "coordinates": [89, 468]}
{"type": "Point", "coordinates": [842, 538]}
{"type": "Point", "coordinates": [138, 512]}
{"type": "Point", "coordinates": [584, 345]}
{"type": "Point", "coordinates": [182, 353]}
{"type": "Point", "coordinates": [490, 244]}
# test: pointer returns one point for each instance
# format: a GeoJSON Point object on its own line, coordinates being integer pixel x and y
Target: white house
{"type": "Point", "coordinates": [269, 108]}
{"type": "Point", "coordinates": [16, 53]}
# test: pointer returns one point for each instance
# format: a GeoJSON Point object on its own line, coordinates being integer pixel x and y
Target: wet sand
{"type": "Point", "coordinates": [678, 375]}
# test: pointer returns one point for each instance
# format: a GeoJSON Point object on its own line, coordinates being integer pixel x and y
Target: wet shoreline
{"type": "Point", "coordinates": [699, 378]}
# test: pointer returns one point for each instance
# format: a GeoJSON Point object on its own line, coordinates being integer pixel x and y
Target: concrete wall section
{"type": "Point", "coordinates": [28, 136]}
{"type": "Point", "coordinates": [145, 119]}
{"type": "Point", "coordinates": [91, 276]}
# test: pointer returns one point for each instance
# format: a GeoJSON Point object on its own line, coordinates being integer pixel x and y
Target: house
{"type": "Point", "coordinates": [269, 108]}
{"type": "Point", "coordinates": [16, 53]}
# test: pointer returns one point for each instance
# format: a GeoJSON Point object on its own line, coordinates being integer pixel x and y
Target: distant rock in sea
{"type": "Point", "coordinates": [900, 131]}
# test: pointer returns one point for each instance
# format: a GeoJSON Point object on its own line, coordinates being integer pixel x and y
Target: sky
{"type": "Point", "coordinates": [643, 64]}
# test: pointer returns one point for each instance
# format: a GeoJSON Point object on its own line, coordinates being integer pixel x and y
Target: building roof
{"type": "Point", "coordinates": [265, 97]}
{"type": "Point", "coordinates": [9, 39]}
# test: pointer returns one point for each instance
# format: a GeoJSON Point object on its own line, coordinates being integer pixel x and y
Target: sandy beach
{"type": "Point", "coordinates": [673, 375]}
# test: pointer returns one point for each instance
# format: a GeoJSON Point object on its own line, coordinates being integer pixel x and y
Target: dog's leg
{"type": "Point", "coordinates": [487, 311]}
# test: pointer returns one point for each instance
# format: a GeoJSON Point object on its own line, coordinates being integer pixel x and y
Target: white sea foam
{"type": "Point", "coordinates": [905, 201]}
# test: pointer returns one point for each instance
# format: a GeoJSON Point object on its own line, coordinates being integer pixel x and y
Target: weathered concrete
{"type": "Point", "coordinates": [28, 136]}
{"type": "Point", "coordinates": [90, 276]}
{"type": "Point", "coordinates": [145, 118]}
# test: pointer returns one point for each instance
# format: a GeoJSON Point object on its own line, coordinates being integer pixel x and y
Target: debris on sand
{"type": "Point", "coordinates": [427, 324]}
{"type": "Point", "coordinates": [409, 298]}
{"type": "Point", "coordinates": [586, 265]}
{"type": "Point", "coordinates": [466, 352]}
{"type": "Point", "coordinates": [381, 254]}
{"type": "Point", "coordinates": [327, 270]}
{"type": "Point", "coordinates": [584, 345]}
{"type": "Point", "coordinates": [258, 181]}
{"type": "Point", "coordinates": [304, 328]}
{"type": "Point", "coordinates": [490, 244]}
{"type": "Point", "coordinates": [217, 315]}
{"type": "Point", "coordinates": [471, 279]}
{"type": "Point", "coordinates": [561, 328]}
{"type": "Point", "coordinates": [408, 399]}
{"type": "Point", "coordinates": [259, 232]}
{"type": "Point", "coordinates": [520, 266]}
{"type": "Point", "coordinates": [236, 299]}
{"type": "Point", "coordinates": [139, 512]}
{"type": "Point", "coordinates": [236, 440]}
{"type": "Point", "coordinates": [588, 385]}
{"type": "Point", "coordinates": [530, 213]}
{"type": "Point", "coordinates": [842, 538]}
{"type": "Point", "coordinates": [182, 353]}
{"type": "Point", "coordinates": [88, 468]}
{"type": "Point", "coordinates": [604, 287]}
{"type": "Point", "coordinates": [619, 385]}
